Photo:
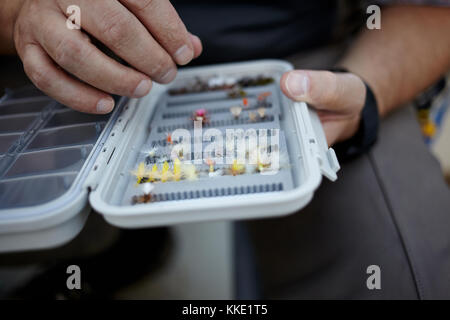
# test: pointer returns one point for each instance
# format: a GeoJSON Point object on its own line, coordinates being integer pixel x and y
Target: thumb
{"type": "Point", "coordinates": [196, 44]}
{"type": "Point", "coordinates": [325, 90]}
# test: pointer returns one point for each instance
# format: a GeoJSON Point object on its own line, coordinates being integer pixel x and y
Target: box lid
{"type": "Point", "coordinates": [46, 154]}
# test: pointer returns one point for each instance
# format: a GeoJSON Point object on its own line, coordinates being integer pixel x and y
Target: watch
{"type": "Point", "coordinates": [367, 133]}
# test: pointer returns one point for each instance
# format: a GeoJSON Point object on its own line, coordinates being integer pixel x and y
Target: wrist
{"type": "Point", "coordinates": [361, 133]}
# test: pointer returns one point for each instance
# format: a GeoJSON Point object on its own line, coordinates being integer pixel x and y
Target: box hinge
{"type": "Point", "coordinates": [106, 150]}
{"type": "Point", "coordinates": [98, 169]}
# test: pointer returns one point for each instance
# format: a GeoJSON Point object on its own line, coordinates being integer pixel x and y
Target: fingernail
{"type": "Point", "coordinates": [105, 105]}
{"type": "Point", "coordinates": [297, 84]}
{"type": "Point", "coordinates": [142, 89]}
{"type": "Point", "coordinates": [183, 55]}
{"type": "Point", "coordinates": [169, 76]}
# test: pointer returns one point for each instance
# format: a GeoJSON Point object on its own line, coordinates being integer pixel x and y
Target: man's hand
{"type": "Point", "coordinates": [337, 97]}
{"type": "Point", "coordinates": [408, 54]}
{"type": "Point", "coordinates": [148, 34]}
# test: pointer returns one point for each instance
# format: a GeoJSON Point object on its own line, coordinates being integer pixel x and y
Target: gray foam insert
{"type": "Point", "coordinates": [174, 112]}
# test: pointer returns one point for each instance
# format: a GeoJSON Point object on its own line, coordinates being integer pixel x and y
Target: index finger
{"type": "Point", "coordinates": [121, 31]}
{"type": "Point", "coordinates": [163, 22]}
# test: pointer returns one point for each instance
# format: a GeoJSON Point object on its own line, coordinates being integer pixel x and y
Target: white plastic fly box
{"type": "Point", "coordinates": [219, 143]}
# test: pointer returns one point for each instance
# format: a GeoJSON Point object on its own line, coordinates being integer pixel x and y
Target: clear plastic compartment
{"type": "Point", "coordinates": [6, 141]}
{"type": "Point", "coordinates": [20, 106]}
{"type": "Point", "coordinates": [73, 135]}
{"type": "Point", "coordinates": [16, 123]}
{"type": "Point", "coordinates": [23, 192]}
{"type": "Point", "coordinates": [62, 159]}
{"type": "Point", "coordinates": [67, 117]}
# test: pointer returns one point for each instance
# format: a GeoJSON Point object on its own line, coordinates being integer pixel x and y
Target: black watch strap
{"type": "Point", "coordinates": [367, 133]}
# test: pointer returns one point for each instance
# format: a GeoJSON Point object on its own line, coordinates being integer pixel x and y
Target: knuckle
{"type": "Point", "coordinates": [76, 104]}
{"type": "Point", "coordinates": [175, 38]}
{"type": "Point", "coordinates": [139, 5]}
{"type": "Point", "coordinates": [113, 28]}
{"type": "Point", "coordinates": [21, 32]}
{"type": "Point", "coordinates": [66, 50]}
{"type": "Point", "coordinates": [124, 87]}
{"type": "Point", "coordinates": [39, 76]}
{"type": "Point", "coordinates": [18, 32]}
{"type": "Point", "coordinates": [71, 53]}
{"type": "Point", "coordinates": [331, 96]}
{"type": "Point", "coordinates": [163, 63]}
{"type": "Point", "coordinates": [31, 7]}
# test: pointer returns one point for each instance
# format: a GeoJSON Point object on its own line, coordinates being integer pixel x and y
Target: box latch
{"type": "Point", "coordinates": [326, 157]}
